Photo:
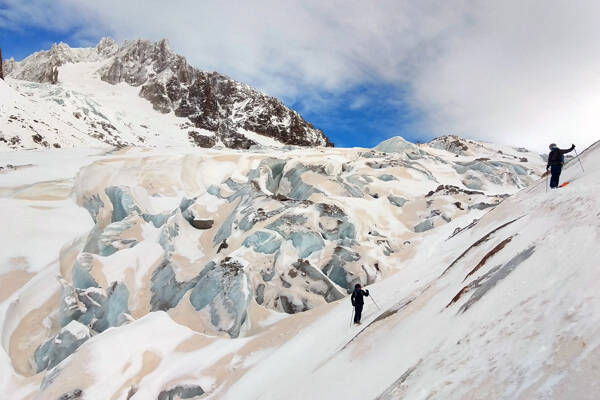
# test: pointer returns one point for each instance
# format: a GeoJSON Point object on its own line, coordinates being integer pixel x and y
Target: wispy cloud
{"type": "Point", "coordinates": [359, 101]}
{"type": "Point", "coordinates": [520, 72]}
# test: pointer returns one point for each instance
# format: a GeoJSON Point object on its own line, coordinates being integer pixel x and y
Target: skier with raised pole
{"type": "Point", "coordinates": [358, 302]}
{"type": "Point", "coordinates": [556, 159]}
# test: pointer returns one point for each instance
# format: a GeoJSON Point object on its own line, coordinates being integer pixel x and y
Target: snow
{"type": "Point", "coordinates": [55, 222]}
{"type": "Point", "coordinates": [260, 139]}
{"type": "Point", "coordinates": [78, 330]}
{"type": "Point", "coordinates": [481, 353]}
{"type": "Point", "coordinates": [123, 105]}
{"type": "Point", "coordinates": [36, 209]}
{"type": "Point", "coordinates": [525, 326]}
{"type": "Point", "coordinates": [80, 91]}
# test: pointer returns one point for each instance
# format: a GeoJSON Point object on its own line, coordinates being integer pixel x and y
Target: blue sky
{"type": "Point", "coordinates": [513, 72]}
{"type": "Point", "coordinates": [365, 116]}
{"type": "Point", "coordinates": [19, 44]}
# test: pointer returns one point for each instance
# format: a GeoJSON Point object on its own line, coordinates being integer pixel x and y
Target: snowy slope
{"type": "Point", "coordinates": [509, 315]}
{"type": "Point", "coordinates": [475, 317]}
{"type": "Point", "coordinates": [184, 272]}
{"type": "Point", "coordinates": [98, 113]}
{"type": "Point", "coordinates": [25, 123]}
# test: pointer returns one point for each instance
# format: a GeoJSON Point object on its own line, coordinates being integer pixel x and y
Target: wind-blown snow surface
{"type": "Point", "coordinates": [187, 276]}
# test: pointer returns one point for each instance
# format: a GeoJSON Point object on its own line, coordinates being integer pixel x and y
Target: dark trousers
{"type": "Point", "coordinates": [357, 312]}
{"type": "Point", "coordinates": [555, 171]}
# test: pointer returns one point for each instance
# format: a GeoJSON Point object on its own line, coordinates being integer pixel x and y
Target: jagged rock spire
{"type": "Point", "coordinates": [107, 47]}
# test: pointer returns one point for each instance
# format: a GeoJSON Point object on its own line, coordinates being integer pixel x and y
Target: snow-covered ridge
{"type": "Point", "coordinates": [42, 66]}
{"type": "Point", "coordinates": [209, 109]}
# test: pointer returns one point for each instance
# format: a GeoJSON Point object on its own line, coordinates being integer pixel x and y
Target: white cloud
{"type": "Point", "coordinates": [359, 102]}
{"type": "Point", "coordinates": [522, 72]}
{"type": "Point", "coordinates": [525, 72]}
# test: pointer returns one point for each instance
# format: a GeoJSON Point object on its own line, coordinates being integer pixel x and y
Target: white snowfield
{"type": "Point", "coordinates": [160, 274]}
{"type": "Point", "coordinates": [84, 111]}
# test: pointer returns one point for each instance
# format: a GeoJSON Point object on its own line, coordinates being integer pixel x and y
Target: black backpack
{"type": "Point", "coordinates": [555, 157]}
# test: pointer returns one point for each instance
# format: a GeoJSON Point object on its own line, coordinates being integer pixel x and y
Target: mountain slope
{"type": "Point", "coordinates": [507, 309]}
{"type": "Point", "coordinates": [188, 107]}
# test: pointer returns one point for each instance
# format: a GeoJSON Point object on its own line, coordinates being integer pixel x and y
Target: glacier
{"type": "Point", "coordinates": [136, 272]}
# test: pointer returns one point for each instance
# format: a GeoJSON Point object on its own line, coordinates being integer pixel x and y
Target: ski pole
{"type": "Point", "coordinates": [582, 170]}
{"type": "Point", "coordinates": [373, 300]}
{"type": "Point", "coordinates": [352, 317]}
{"type": "Point", "coordinates": [547, 177]}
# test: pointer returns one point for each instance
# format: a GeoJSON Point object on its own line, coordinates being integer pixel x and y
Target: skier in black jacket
{"type": "Point", "coordinates": [556, 160]}
{"type": "Point", "coordinates": [358, 302]}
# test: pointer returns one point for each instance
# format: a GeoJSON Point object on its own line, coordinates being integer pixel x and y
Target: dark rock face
{"type": "Point", "coordinates": [451, 143]}
{"type": "Point", "coordinates": [75, 394]}
{"type": "Point", "coordinates": [181, 392]}
{"type": "Point", "coordinates": [202, 223]}
{"type": "Point", "coordinates": [1, 72]}
{"type": "Point", "coordinates": [452, 190]}
{"type": "Point", "coordinates": [201, 140]}
{"type": "Point", "coordinates": [210, 100]}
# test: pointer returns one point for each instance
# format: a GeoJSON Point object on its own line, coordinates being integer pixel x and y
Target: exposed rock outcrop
{"type": "Point", "coordinates": [210, 100]}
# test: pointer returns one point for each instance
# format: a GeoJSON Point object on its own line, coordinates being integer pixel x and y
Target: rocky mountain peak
{"type": "Point", "coordinates": [61, 50]}
{"type": "Point", "coordinates": [211, 101]}
{"type": "Point", "coordinates": [222, 110]}
{"type": "Point", "coordinates": [42, 66]}
{"type": "Point", "coordinates": [107, 47]}
{"type": "Point", "coordinates": [452, 143]}
{"type": "Point", "coordinates": [8, 66]}
{"type": "Point", "coordinates": [137, 61]}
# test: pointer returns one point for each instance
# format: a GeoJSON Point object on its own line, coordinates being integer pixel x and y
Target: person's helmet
{"type": "Point", "coordinates": [553, 145]}
{"type": "Point", "coordinates": [357, 286]}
